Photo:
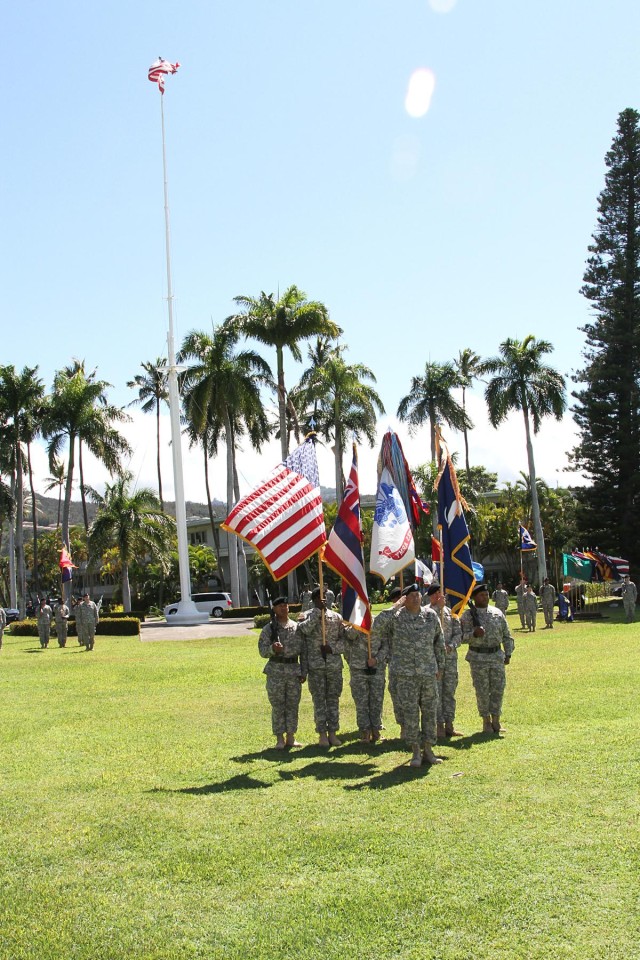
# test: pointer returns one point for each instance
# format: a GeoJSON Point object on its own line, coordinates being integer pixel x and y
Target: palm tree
{"type": "Point", "coordinates": [134, 523]}
{"type": "Point", "coordinates": [521, 381]}
{"type": "Point", "coordinates": [282, 324]}
{"type": "Point", "coordinates": [20, 395]}
{"type": "Point", "coordinates": [344, 404]}
{"type": "Point", "coordinates": [466, 366]}
{"type": "Point", "coordinates": [221, 392]}
{"type": "Point", "coordinates": [430, 399]}
{"type": "Point", "coordinates": [78, 410]}
{"type": "Point", "coordinates": [152, 392]}
{"type": "Point", "coordinates": [57, 479]}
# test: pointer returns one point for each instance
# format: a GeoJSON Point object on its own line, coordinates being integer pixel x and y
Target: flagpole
{"type": "Point", "coordinates": [322, 609]}
{"type": "Point", "coordinates": [187, 611]}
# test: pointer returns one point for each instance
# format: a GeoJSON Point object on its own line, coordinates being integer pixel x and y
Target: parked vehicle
{"type": "Point", "coordinates": [11, 613]}
{"type": "Point", "coordinates": [212, 603]}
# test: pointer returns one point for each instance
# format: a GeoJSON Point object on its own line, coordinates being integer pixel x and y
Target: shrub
{"type": "Point", "coordinates": [238, 612]}
{"type": "Point", "coordinates": [109, 626]}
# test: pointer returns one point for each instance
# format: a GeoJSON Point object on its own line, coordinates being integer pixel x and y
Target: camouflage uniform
{"type": "Point", "coordinates": [520, 592]}
{"type": "Point", "coordinates": [283, 674]}
{"type": "Point", "coordinates": [629, 597]}
{"type": "Point", "coordinates": [324, 675]}
{"type": "Point", "coordinates": [417, 654]}
{"type": "Point", "coordinates": [486, 658]}
{"type": "Point", "coordinates": [501, 600]}
{"type": "Point", "coordinates": [448, 682]}
{"type": "Point", "coordinates": [330, 598]}
{"type": "Point", "coordinates": [380, 633]}
{"type": "Point", "coordinates": [62, 623]}
{"type": "Point", "coordinates": [86, 620]}
{"type": "Point", "coordinates": [3, 623]}
{"type": "Point", "coordinates": [530, 603]}
{"type": "Point", "coordinates": [367, 689]}
{"type": "Point", "coordinates": [43, 616]}
{"type": "Point", "coordinates": [548, 598]}
{"type": "Point", "coordinates": [307, 602]}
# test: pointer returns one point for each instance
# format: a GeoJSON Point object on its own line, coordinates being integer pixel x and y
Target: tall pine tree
{"type": "Point", "coordinates": [607, 407]}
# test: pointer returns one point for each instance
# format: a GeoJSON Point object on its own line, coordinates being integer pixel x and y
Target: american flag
{"type": "Point", "coordinates": [343, 553]}
{"type": "Point", "coordinates": [158, 71]}
{"type": "Point", "coordinates": [282, 518]}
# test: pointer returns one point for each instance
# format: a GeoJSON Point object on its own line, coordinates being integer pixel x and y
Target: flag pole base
{"type": "Point", "coordinates": [186, 615]}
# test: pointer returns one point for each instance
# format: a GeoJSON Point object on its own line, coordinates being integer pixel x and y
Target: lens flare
{"type": "Point", "coordinates": [422, 83]}
{"type": "Point", "coordinates": [442, 6]}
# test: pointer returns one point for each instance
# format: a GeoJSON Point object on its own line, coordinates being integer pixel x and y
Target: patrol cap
{"type": "Point", "coordinates": [279, 600]}
{"type": "Point", "coordinates": [434, 588]}
{"type": "Point", "coordinates": [412, 588]}
{"type": "Point", "coordinates": [395, 593]}
{"type": "Point", "coordinates": [315, 593]}
{"type": "Point", "coordinates": [479, 588]}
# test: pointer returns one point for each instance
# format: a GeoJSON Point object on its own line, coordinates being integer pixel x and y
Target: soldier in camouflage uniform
{"type": "Point", "coordinates": [44, 614]}
{"type": "Point", "coordinates": [448, 683]}
{"type": "Point", "coordinates": [86, 620]}
{"type": "Point", "coordinates": [501, 598]}
{"type": "Point", "coordinates": [417, 656]}
{"type": "Point", "coordinates": [485, 630]}
{"type": "Point", "coordinates": [629, 596]}
{"type": "Point", "coordinates": [280, 643]}
{"type": "Point", "coordinates": [548, 598]}
{"type": "Point", "coordinates": [530, 602]}
{"type": "Point", "coordinates": [322, 666]}
{"type": "Point", "coordinates": [380, 633]}
{"type": "Point", "coordinates": [521, 589]}
{"type": "Point", "coordinates": [306, 601]}
{"type": "Point", "coordinates": [368, 674]}
{"type": "Point", "coordinates": [3, 623]}
{"type": "Point", "coordinates": [62, 623]}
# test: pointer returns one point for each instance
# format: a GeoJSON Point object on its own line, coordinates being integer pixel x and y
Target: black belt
{"type": "Point", "coordinates": [484, 649]}
{"type": "Point", "coordinates": [283, 659]}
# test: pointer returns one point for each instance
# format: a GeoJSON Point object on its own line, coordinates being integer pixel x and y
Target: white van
{"type": "Point", "coordinates": [212, 603]}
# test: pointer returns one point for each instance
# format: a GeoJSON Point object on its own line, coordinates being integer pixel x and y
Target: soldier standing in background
{"type": "Point", "coordinates": [501, 598]}
{"type": "Point", "coordinates": [629, 597]}
{"type": "Point", "coordinates": [380, 633]}
{"type": "Point", "coordinates": [491, 645]}
{"type": "Point", "coordinates": [368, 676]}
{"type": "Point", "coordinates": [448, 683]}
{"type": "Point", "coordinates": [86, 621]}
{"type": "Point", "coordinates": [417, 656]}
{"type": "Point", "coordinates": [548, 598]}
{"type": "Point", "coordinates": [43, 616]}
{"type": "Point", "coordinates": [62, 623]}
{"type": "Point", "coordinates": [530, 608]}
{"type": "Point", "coordinates": [3, 623]}
{"type": "Point", "coordinates": [321, 664]}
{"type": "Point", "coordinates": [280, 643]}
{"type": "Point", "coordinates": [521, 589]}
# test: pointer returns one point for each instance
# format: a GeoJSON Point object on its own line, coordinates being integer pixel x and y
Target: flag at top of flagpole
{"type": "Point", "coordinates": [343, 553]}
{"type": "Point", "coordinates": [159, 70]}
{"type": "Point", "coordinates": [66, 565]}
{"type": "Point", "coordinates": [526, 540]}
{"type": "Point", "coordinates": [282, 518]}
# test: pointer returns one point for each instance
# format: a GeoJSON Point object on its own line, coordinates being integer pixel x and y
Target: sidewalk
{"type": "Point", "coordinates": [161, 630]}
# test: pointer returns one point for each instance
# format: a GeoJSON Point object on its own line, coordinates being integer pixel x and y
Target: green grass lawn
{"type": "Point", "coordinates": [144, 814]}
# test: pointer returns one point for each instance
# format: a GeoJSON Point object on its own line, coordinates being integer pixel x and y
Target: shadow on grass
{"type": "Point", "coordinates": [466, 743]}
{"type": "Point", "coordinates": [397, 777]}
{"type": "Point", "coordinates": [334, 769]}
{"type": "Point", "coordinates": [242, 782]}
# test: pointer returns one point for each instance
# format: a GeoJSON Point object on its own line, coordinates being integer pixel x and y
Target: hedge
{"type": "Point", "coordinates": [109, 626]}
{"type": "Point", "coordinates": [238, 612]}
{"type": "Point", "coordinates": [119, 614]}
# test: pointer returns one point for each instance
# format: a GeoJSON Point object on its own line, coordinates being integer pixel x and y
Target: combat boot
{"type": "Point", "coordinates": [291, 741]}
{"type": "Point", "coordinates": [365, 736]}
{"type": "Point", "coordinates": [496, 726]}
{"type": "Point", "coordinates": [450, 730]}
{"type": "Point", "coordinates": [487, 726]}
{"type": "Point", "coordinates": [280, 743]}
{"type": "Point", "coordinates": [429, 756]}
{"type": "Point", "coordinates": [334, 740]}
{"type": "Point", "coordinates": [416, 759]}
{"type": "Point", "coordinates": [323, 740]}
{"type": "Point", "coordinates": [440, 730]}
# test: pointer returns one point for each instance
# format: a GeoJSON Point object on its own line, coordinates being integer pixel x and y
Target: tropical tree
{"type": "Point", "coordinates": [221, 396]}
{"type": "Point", "coordinates": [57, 479]}
{"type": "Point", "coordinates": [20, 395]}
{"type": "Point", "coordinates": [78, 411]}
{"type": "Point", "coordinates": [521, 381]}
{"type": "Point", "coordinates": [133, 522]}
{"type": "Point", "coordinates": [283, 323]}
{"type": "Point", "coordinates": [344, 404]}
{"type": "Point", "coordinates": [467, 365]}
{"type": "Point", "coordinates": [152, 393]}
{"type": "Point", "coordinates": [430, 399]}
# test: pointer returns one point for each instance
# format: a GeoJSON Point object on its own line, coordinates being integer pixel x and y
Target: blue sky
{"type": "Point", "coordinates": [292, 159]}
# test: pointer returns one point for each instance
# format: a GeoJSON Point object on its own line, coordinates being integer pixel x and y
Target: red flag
{"type": "Point", "coordinates": [282, 518]}
{"type": "Point", "coordinates": [159, 69]}
{"type": "Point", "coordinates": [66, 565]}
{"type": "Point", "coordinates": [343, 553]}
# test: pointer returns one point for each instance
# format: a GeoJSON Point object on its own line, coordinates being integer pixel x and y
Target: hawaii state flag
{"type": "Point", "coordinates": [66, 565]}
{"type": "Point", "coordinates": [282, 518]}
{"type": "Point", "coordinates": [392, 546]}
{"type": "Point", "coordinates": [343, 553]}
